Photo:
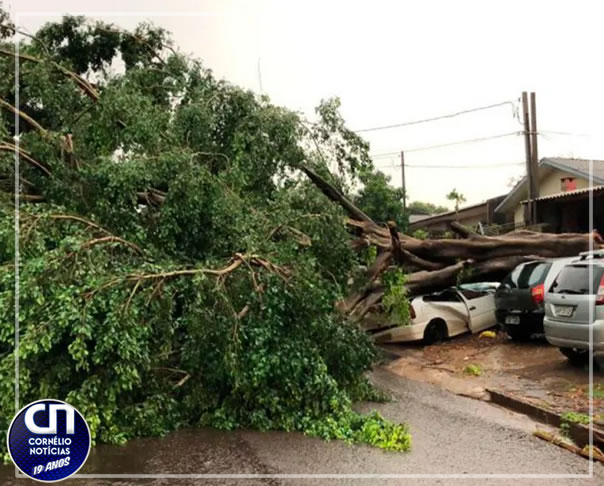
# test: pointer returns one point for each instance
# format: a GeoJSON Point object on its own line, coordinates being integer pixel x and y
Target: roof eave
{"type": "Point", "coordinates": [546, 161]}
{"type": "Point", "coordinates": [556, 165]}
{"type": "Point", "coordinates": [512, 194]}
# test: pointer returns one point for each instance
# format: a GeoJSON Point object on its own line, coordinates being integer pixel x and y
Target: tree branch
{"type": "Point", "coordinates": [7, 147]}
{"type": "Point", "coordinates": [84, 85]}
{"type": "Point", "coordinates": [336, 196]}
{"type": "Point", "coordinates": [25, 117]}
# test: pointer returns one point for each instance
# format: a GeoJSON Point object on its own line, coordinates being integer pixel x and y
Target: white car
{"type": "Point", "coordinates": [454, 311]}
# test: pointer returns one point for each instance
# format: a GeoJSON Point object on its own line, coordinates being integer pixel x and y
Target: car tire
{"type": "Point", "coordinates": [518, 334]}
{"type": "Point", "coordinates": [435, 332]}
{"type": "Point", "coordinates": [577, 357]}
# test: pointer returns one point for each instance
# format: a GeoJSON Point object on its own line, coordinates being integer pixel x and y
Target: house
{"type": "Point", "coordinates": [415, 218]}
{"type": "Point", "coordinates": [471, 216]}
{"type": "Point", "coordinates": [563, 196]}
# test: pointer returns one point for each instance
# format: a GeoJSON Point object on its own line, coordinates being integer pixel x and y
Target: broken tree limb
{"type": "Point", "coordinates": [336, 196]}
{"type": "Point", "coordinates": [25, 117]}
{"type": "Point", "coordinates": [368, 303]}
{"type": "Point", "coordinates": [84, 85]}
{"type": "Point", "coordinates": [419, 282]}
{"type": "Point", "coordinates": [359, 304]}
{"type": "Point", "coordinates": [382, 262]}
{"type": "Point", "coordinates": [462, 231]}
{"type": "Point", "coordinates": [8, 147]}
{"type": "Point", "coordinates": [497, 247]}
{"type": "Point", "coordinates": [585, 452]}
{"type": "Point", "coordinates": [420, 263]}
{"type": "Point", "coordinates": [483, 247]}
{"type": "Point", "coordinates": [439, 263]}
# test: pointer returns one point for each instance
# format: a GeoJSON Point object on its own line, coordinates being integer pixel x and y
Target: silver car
{"type": "Point", "coordinates": [574, 308]}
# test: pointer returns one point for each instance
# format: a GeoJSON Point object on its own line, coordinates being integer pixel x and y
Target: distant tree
{"type": "Point", "coordinates": [381, 201]}
{"type": "Point", "coordinates": [458, 197]}
{"type": "Point", "coordinates": [420, 207]}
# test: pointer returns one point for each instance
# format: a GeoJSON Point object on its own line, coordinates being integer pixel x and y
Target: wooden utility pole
{"type": "Point", "coordinates": [529, 157]}
{"type": "Point", "coordinates": [534, 155]}
{"type": "Point", "coordinates": [403, 184]}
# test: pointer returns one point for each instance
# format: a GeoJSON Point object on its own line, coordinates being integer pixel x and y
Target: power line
{"type": "Point", "coordinates": [449, 144]}
{"type": "Point", "coordinates": [430, 166]}
{"type": "Point", "coordinates": [570, 134]}
{"type": "Point", "coordinates": [441, 117]}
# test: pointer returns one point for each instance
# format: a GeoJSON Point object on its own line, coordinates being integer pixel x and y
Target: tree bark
{"type": "Point", "coordinates": [336, 196]}
{"type": "Point", "coordinates": [437, 264]}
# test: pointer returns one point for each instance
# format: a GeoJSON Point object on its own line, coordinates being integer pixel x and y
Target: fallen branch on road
{"type": "Point", "coordinates": [585, 452]}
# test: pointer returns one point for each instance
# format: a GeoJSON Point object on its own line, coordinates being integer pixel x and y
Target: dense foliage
{"type": "Point", "coordinates": [395, 301]}
{"type": "Point", "coordinates": [420, 207]}
{"type": "Point", "coordinates": [175, 267]}
{"type": "Point", "coordinates": [381, 201]}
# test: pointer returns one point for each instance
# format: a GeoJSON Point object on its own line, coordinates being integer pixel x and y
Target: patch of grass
{"type": "Point", "coordinates": [575, 417]}
{"type": "Point", "coordinates": [569, 418]}
{"type": "Point", "coordinates": [472, 369]}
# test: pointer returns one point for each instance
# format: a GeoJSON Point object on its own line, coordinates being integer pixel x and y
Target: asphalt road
{"type": "Point", "coordinates": [451, 435]}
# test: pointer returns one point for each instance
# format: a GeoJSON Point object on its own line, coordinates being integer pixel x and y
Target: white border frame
{"type": "Point", "coordinates": [18, 15]}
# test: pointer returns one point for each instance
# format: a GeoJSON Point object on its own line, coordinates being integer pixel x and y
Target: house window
{"type": "Point", "coordinates": [568, 184]}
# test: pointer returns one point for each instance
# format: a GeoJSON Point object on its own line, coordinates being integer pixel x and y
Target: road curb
{"type": "Point", "coordinates": [577, 432]}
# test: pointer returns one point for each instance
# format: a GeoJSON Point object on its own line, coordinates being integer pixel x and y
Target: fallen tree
{"type": "Point", "coordinates": [436, 264]}
{"type": "Point", "coordinates": [179, 264]}
{"type": "Point", "coordinates": [176, 268]}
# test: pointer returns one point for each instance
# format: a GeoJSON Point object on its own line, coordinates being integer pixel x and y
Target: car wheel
{"type": "Point", "coordinates": [436, 331]}
{"type": "Point", "coordinates": [577, 357]}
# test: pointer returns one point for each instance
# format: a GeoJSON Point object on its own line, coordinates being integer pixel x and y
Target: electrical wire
{"type": "Point", "coordinates": [441, 117]}
{"type": "Point", "coordinates": [449, 144]}
{"type": "Point", "coordinates": [570, 134]}
{"type": "Point", "coordinates": [430, 166]}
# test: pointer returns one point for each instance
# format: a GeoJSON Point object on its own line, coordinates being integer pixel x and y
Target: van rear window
{"type": "Point", "coordinates": [575, 279]}
{"type": "Point", "coordinates": [527, 275]}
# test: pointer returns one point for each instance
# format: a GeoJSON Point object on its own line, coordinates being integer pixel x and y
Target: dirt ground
{"type": "Point", "coordinates": [470, 365]}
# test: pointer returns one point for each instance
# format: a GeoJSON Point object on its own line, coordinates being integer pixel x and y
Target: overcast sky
{"type": "Point", "coordinates": [397, 61]}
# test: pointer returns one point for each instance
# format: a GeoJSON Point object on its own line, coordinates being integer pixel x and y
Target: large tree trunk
{"type": "Point", "coordinates": [437, 264]}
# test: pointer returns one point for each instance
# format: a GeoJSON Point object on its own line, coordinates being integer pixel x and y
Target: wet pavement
{"type": "Point", "coordinates": [451, 435]}
{"type": "Point", "coordinates": [533, 370]}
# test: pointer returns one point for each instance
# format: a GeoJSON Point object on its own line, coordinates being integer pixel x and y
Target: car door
{"type": "Point", "coordinates": [449, 306]}
{"type": "Point", "coordinates": [481, 309]}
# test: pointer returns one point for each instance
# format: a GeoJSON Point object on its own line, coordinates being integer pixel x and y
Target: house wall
{"type": "Point", "coordinates": [470, 216]}
{"type": "Point", "coordinates": [549, 184]}
{"type": "Point", "coordinates": [519, 214]}
{"type": "Point", "coordinates": [572, 216]}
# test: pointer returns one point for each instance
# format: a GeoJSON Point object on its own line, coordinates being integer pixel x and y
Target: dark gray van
{"type": "Point", "coordinates": [519, 300]}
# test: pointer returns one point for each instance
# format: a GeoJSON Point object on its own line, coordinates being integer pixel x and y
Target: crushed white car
{"type": "Point", "coordinates": [440, 315]}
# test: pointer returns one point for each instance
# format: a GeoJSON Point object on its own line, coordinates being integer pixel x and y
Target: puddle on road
{"type": "Point", "coordinates": [198, 451]}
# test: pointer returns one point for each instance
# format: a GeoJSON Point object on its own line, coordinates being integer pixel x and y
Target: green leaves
{"type": "Point", "coordinates": [180, 270]}
{"type": "Point", "coordinates": [395, 299]}
{"type": "Point", "coordinates": [381, 201]}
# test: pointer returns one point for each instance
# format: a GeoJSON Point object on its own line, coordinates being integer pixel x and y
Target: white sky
{"type": "Point", "coordinates": [397, 61]}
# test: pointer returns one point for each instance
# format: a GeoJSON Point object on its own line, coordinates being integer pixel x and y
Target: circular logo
{"type": "Point", "coordinates": [49, 440]}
